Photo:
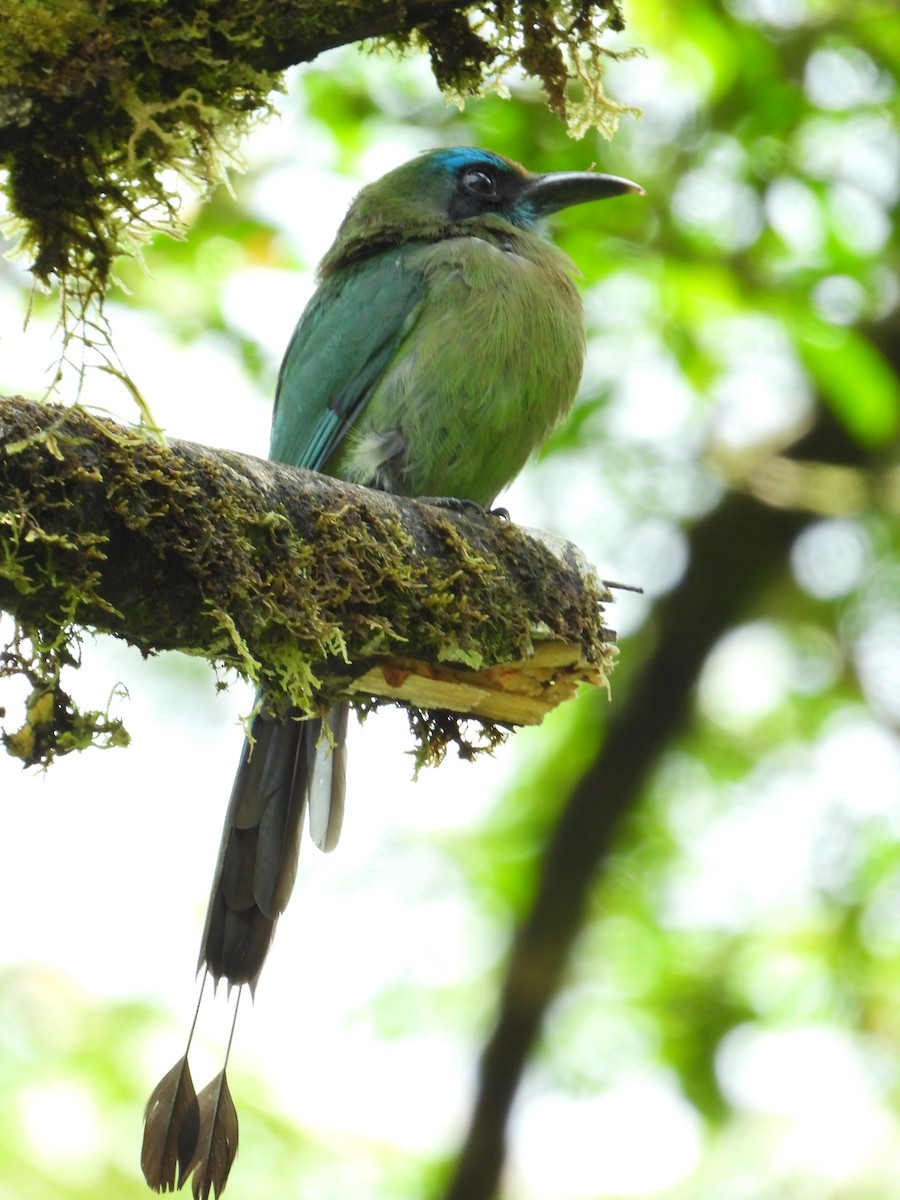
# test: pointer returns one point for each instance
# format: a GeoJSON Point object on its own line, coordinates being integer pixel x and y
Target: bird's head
{"type": "Point", "coordinates": [433, 194]}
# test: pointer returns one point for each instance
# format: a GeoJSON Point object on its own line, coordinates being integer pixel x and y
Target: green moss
{"type": "Point", "coordinates": [557, 42]}
{"type": "Point", "coordinates": [41, 31]}
{"type": "Point", "coordinates": [102, 105]}
{"type": "Point", "coordinates": [300, 597]}
{"type": "Point", "coordinates": [54, 724]}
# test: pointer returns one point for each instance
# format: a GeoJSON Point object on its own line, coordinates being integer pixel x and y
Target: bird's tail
{"type": "Point", "coordinates": [286, 765]}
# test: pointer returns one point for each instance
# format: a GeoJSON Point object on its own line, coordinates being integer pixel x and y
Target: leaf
{"type": "Point", "coordinates": [217, 1144]}
{"type": "Point", "coordinates": [171, 1126]}
{"type": "Point", "coordinates": [857, 381]}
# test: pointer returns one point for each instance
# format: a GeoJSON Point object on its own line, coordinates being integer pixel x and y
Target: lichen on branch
{"type": "Point", "coordinates": [308, 586]}
{"type": "Point", "coordinates": [101, 104]}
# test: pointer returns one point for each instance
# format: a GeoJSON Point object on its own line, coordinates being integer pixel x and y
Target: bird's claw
{"type": "Point", "coordinates": [461, 505]}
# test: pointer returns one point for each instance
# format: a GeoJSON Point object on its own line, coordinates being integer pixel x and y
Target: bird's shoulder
{"type": "Point", "coordinates": [345, 338]}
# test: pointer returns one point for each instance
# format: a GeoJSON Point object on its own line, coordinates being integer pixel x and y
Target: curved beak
{"type": "Point", "coordinates": [561, 189]}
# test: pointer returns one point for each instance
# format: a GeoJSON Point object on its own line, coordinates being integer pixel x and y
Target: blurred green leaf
{"type": "Point", "coordinates": [854, 377]}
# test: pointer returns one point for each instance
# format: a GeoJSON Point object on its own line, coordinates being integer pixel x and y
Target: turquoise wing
{"type": "Point", "coordinates": [343, 344]}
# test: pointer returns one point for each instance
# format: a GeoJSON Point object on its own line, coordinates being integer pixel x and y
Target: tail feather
{"type": "Point", "coordinates": [281, 815]}
{"type": "Point", "coordinates": [289, 764]}
{"type": "Point", "coordinates": [326, 793]}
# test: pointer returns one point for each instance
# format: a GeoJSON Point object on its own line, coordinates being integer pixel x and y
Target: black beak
{"type": "Point", "coordinates": [561, 189]}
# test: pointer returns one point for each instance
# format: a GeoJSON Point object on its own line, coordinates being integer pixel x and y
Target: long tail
{"type": "Point", "coordinates": [290, 764]}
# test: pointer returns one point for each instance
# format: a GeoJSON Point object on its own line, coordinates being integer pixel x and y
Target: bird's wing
{"type": "Point", "coordinates": [340, 349]}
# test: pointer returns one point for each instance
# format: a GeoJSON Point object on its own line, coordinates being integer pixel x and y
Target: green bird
{"type": "Point", "coordinates": [443, 345]}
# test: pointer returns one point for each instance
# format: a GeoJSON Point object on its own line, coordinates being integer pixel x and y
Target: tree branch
{"type": "Point", "coordinates": [308, 585]}
{"type": "Point", "coordinates": [294, 33]}
{"type": "Point", "coordinates": [101, 105]}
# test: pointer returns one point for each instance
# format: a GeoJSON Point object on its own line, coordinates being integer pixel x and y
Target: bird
{"type": "Point", "coordinates": [443, 344]}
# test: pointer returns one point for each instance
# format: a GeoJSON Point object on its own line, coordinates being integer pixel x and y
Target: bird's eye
{"type": "Point", "coordinates": [480, 182]}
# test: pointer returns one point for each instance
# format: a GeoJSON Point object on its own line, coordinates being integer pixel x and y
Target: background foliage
{"type": "Point", "coordinates": [731, 1021]}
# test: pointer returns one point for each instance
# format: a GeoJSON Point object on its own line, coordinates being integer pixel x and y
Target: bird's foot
{"type": "Point", "coordinates": [459, 505]}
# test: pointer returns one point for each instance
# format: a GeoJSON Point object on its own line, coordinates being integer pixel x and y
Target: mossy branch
{"type": "Point", "coordinates": [100, 104]}
{"type": "Point", "coordinates": [307, 585]}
